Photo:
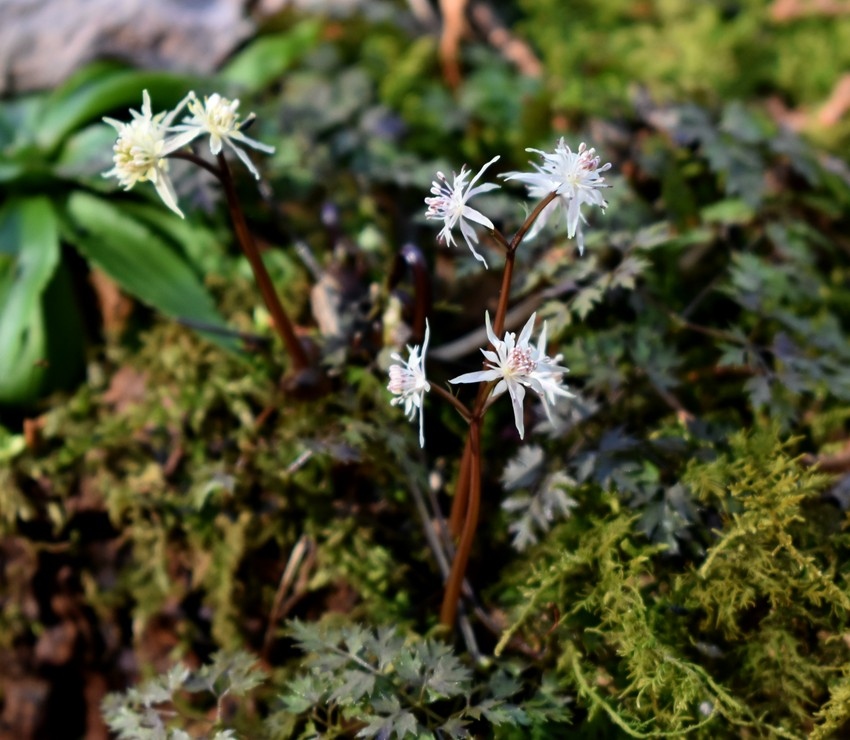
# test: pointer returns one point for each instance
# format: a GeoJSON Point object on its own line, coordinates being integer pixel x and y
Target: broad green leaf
{"type": "Point", "coordinates": [29, 254]}
{"type": "Point", "coordinates": [87, 153]}
{"type": "Point", "coordinates": [199, 243]}
{"type": "Point", "coordinates": [65, 333]}
{"type": "Point", "coordinates": [10, 171]}
{"type": "Point", "coordinates": [267, 58]}
{"type": "Point", "coordinates": [91, 96]}
{"type": "Point", "coordinates": [728, 211]}
{"type": "Point", "coordinates": [11, 445]}
{"type": "Point", "coordinates": [16, 121]}
{"type": "Point", "coordinates": [142, 263]}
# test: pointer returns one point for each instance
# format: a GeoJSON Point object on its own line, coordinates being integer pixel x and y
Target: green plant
{"type": "Point", "coordinates": [157, 710]}
{"type": "Point", "coordinates": [52, 150]}
{"type": "Point", "coordinates": [660, 652]}
{"type": "Point", "coordinates": [658, 554]}
{"type": "Point", "coordinates": [381, 684]}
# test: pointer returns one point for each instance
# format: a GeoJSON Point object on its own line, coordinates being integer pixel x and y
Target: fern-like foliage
{"type": "Point", "coordinates": [364, 683]}
{"type": "Point", "coordinates": [148, 712]}
{"type": "Point", "coordinates": [539, 499]}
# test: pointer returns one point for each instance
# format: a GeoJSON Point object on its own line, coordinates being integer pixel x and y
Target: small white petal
{"type": "Point", "coordinates": [481, 376]}
{"type": "Point", "coordinates": [449, 204]}
{"type": "Point", "coordinates": [517, 393]}
{"type": "Point", "coordinates": [253, 143]}
{"type": "Point", "coordinates": [218, 118]}
{"type": "Point", "coordinates": [518, 365]}
{"type": "Point", "coordinates": [574, 176]}
{"type": "Point", "coordinates": [476, 216]}
{"type": "Point", "coordinates": [409, 384]}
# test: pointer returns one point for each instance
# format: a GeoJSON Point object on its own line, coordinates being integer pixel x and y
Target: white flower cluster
{"type": "Point", "coordinates": [409, 384]}
{"type": "Point", "coordinates": [143, 145]}
{"type": "Point", "coordinates": [574, 177]}
{"type": "Point", "coordinates": [513, 364]}
{"type": "Point", "coordinates": [516, 365]}
{"type": "Point", "coordinates": [449, 205]}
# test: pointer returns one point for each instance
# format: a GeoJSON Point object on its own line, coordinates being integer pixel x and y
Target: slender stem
{"type": "Point", "coordinates": [282, 324]}
{"type": "Point", "coordinates": [467, 503]}
{"type": "Point", "coordinates": [504, 294]}
{"type": "Point", "coordinates": [532, 217]}
{"type": "Point", "coordinates": [197, 161]}
{"type": "Point", "coordinates": [448, 611]}
{"type": "Point", "coordinates": [453, 400]}
{"type": "Point", "coordinates": [462, 491]}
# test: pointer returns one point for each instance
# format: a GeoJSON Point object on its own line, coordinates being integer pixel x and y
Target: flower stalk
{"type": "Point", "coordinates": [565, 180]}
{"type": "Point", "coordinates": [141, 154]}
{"type": "Point", "coordinates": [451, 596]}
{"type": "Point", "coordinates": [280, 318]}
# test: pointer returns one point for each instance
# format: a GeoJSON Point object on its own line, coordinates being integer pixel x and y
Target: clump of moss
{"type": "Point", "coordinates": [748, 637]}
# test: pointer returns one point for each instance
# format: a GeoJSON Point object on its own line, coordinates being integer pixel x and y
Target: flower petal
{"type": "Point", "coordinates": [517, 393]}
{"type": "Point", "coordinates": [481, 376]}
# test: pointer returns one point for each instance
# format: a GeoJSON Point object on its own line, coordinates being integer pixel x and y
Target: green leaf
{"type": "Point", "coordinates": [449, 677]}
{"type": "Point", "coordinates": [499, 713]}
{"type": "Point", "coordinates": [267, 58]}
{"type": "Point", "coordinates": [98, 91]}
{"type": "Point", "coordinates": [87, 153]}
{"type": "Point", "coordinates": [199, 243]}
{"type": "Point", "coordinates": [29, 255]}
{"type": "Point", "coordinates": [586, 299]}
{"type": "Point", "coordinates": [302, 693]}
{"type": "Point", "coordinates": [729, 211]}
{"type": "Point", "coordinates": [309, 636]}
{"type": "Point", "coordinates": [10, 171]}
{"type": "Point", "coordinates": [142, 263]}
{"type": "Point", "coordinates": [355, 684]}
{"type": "Point", "coordinates": [397, 724]}
{"type": "Point", "coordinates": [11, 445]}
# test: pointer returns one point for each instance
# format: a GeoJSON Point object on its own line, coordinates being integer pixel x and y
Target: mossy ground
{"type": "Point", "coordinates": [673, 557]}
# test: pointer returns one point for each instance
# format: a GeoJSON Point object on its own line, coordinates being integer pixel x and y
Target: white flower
{"type": "Point", "coordinates": [517, 364]}
{"type": "Point", "coordinates": [140, 150]}
{"type": "Point", "coordinates": [574, 176]}
{"type": "Point", "coordinates": [217, 117]}
{"type": "Point", "coordinates": [409, 384]}
{"type": "Point", "coordinates": [449, 206]}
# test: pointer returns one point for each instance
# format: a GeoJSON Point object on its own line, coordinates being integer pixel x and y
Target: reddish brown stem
{"type": "Point", "coordinates": [281, 321]}
{"type": "Point", "coordinates": [454, 401]}
{"type": "Point", "coordinates": [504, 296]}
{"type": "Point", "coordinates": [461, 492]}
{"type": "Point", "coordinates": [510, 257]}
{"type": "Point", "coordinates": [448, 611]}
{"type": "Point", "coordinates": [532, 217]}
{"type": "Point", "coordinates": [467, 501]}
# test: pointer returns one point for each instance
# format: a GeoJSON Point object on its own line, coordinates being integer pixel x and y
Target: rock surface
{"type": "Point", "coordinates": [43, 41]}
